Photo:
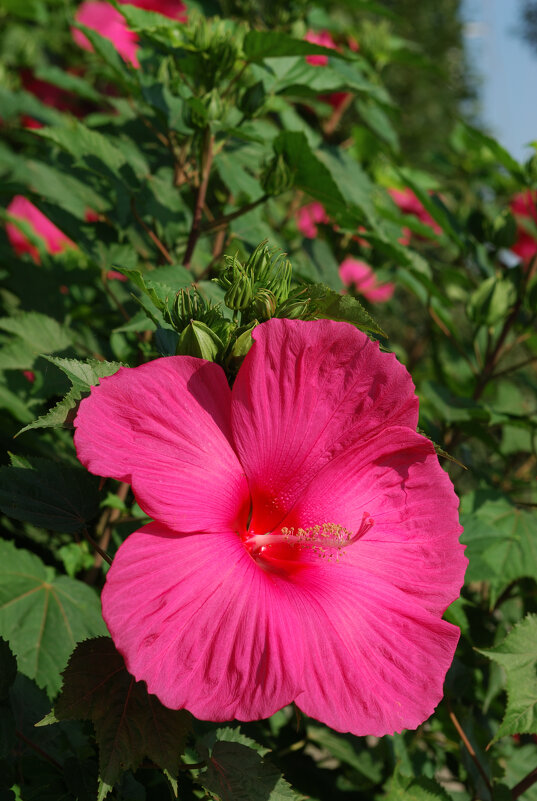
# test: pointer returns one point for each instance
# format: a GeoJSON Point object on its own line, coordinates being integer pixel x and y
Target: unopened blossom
{"type": "Point", "coordinates": [101, 16]}
{"type": "Point", "coordinates": [304, 542]}
{"type": "Point", "coordinates": [524, 208]}
{"type": "Point", "coordinates": [309, 216]}
{"type": "Point", "coordinates": [361, 276]}
{"type": "Point", "coordinates": [54, 240]}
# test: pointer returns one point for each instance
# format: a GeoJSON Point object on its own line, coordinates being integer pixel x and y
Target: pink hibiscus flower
{"type": "Point", "coordinates": [358, 273]}
{"type": "Point", "coordinates": [308, 216]}
{"type": "Point", "coordinates": [410, 204]}
{"type": "Point", "coordinates": [305, 538]}
{"type": "Point", "coordinates": [524, 208]}
{"type": "Point", "coordinates": [53, 239]}
{"type": "Point", "coordinates": [102, 17]}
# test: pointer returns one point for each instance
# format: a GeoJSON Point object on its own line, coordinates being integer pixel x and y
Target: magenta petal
{"type": "Point", "coordinates": [395, 480]}
{"type": "Point", "coordinates": [164, 428]}
{"type": "Point", "coordinates": [203, 625]}
{"type": "Point", "coordinates": [375, 661]}
{"type": "Point", "coordinates": [305, 392]}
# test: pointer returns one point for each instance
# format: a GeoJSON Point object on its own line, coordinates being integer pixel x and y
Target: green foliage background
{"type": "Point", "coordinates": [188, 164]}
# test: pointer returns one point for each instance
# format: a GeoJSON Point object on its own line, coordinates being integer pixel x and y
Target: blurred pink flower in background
{"type": "Point", "coordinates": [48, 94]}
{"type": "Point", "coordinates": [410, 204]}
{"type": "Point", "coordinates": [102, 17]}
{"type": "Point", "coordinates": [324, 39]}
{"type": "Point", "coordinates": [308, 216]}
{"type": "Point", "coordinates": [53, 239]}
{"type": "Point", "coordinates": [354, 272]}
{"type": "Point", "coordinates": [304, 542]}
{"type": "Point", "coordinates": [524, 208]}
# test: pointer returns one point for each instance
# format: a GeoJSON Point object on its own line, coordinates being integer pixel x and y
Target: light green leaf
{"type": "Point", "coordinates": [42, 333]}
{"type": "Point", "coordinates": [83, 376]}
{"type": "Point", "coordinates": [517, 654]}
{"type": "Point", "coordinates": [501, 543]}
{"type": "Point", "coordinates": [85, 144]}
{"type": "Point", "coordinates": [43, 615]}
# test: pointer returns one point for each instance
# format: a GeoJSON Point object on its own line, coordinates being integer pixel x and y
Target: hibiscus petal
{"type": "Point", "coordinates": [375, 661]}
{"type": "Point", "coordinates": [305, 392]}
{"type": "Point", "coordinates": [397, 480]}
{"type": "Point", "coordinates": [206, 628]}
{"type": "Point", "coordinates": [164, 428]}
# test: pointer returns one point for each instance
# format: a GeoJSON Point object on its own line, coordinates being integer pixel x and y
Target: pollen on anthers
{"type": "Point", "coordinates": [325, 539]}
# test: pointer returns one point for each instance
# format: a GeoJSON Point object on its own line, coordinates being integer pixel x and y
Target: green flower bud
{"type": "Point", "coordinates": [277, 176]}
{"type": "Point", "coordinates": [212, 102]}
{"type": "Point", "coordinates": [239, 294]}
{"type": "Point", "coordinates": [264, 304]}
{"type": "Point", "coordinates": [199, 340]}
{"type": "Point", "coordinates": [240, 348]}
{"type": "Point", "coordinates": [293, 309]}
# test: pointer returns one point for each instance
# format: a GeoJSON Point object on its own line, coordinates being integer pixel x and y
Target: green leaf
{"type": "Point", "coordinates": [68, 81]}
{"type": "Point", "coordinates": [130, 724]}
{"type": "Point", "coordinates": [343, 748]}
{"type": "Point", "coordinates": [83, 376]}
{"type": "Point", "coordinates": [50, 495]}
{"type": "Point", "coordinates": [236, 772]}
{"type": "Point", "coordinates": [85, 144]}
{"type": "Point", "coordinates": [500, 153]}
{"type": "Point", "coordinates": [492, 300]}
{"type": "Point", "coordinates": [517, 654]}
{"type": "Point", "coordinates": [501, 543]}
{"type": "Point", "coordinates": [42, 333]}
{"type": "Point", "coordinates": [403, 788]}
{"type": "Point", "coordinates": [325, 304]}
{"type": "Point", "coordinates": [259, 45]}
{"type": "Point", "coordinates": [43, 615]}
{"type": "Point", "coordinates": [310, 173]}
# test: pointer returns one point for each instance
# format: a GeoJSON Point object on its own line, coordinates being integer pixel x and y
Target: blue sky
{"type": "Point", "coordinates": [508, 71]}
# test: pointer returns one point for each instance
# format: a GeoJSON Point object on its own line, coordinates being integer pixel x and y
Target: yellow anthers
{"type": "Point", "coordinates": [322, 537]}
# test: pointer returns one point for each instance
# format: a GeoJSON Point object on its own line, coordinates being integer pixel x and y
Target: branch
{"type": "Point", "coordinates": [470, 749]}
{"type": "Point", "coordinates": [151, 234]}
{"type": "Point", "coordinates": [206, 163]}
{"type": "Point", "coordinates": [227, 218]}
{"type": "Point", "coordinates": [525, 784]}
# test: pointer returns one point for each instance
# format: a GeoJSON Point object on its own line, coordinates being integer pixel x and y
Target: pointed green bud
{"type": "Point", "coordinates": [240, 348]}
{"type": "Point", "coordinates": [264, 304]}
{"type": "Point", "coordinates": [198, 340]}
{"type": "Point", "coordinates": [293, 309]}
{"type": "Point", "coordinates": [277, 177]}
{"type": "Point", "coordinates": [239, 294]}
{"type": "Point", "coordinates": [213, 105]}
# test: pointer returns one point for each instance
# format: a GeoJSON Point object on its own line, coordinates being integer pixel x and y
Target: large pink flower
{"type": "Point", "coordinates": [360, 275]}
{"type": "Point", "coordinates": [305, 538]}
{"type": "Point", "coordinates": [102, 17]}
{"type": "Point", "coordinates": [524, 208]}
{"type": "Point", "coordinates": [54, 240]}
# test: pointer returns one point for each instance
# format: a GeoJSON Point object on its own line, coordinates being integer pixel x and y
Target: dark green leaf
{"type": "Point", "coordinates": [238, 773]}
{"type": "Point", "coordinates": [50, 495]}
{"type": "Point", "coordinates": [325, 304]}
{"type": "Point", "coordinates": [130, 724]}
{"type": "Point", "coordinates": [259, 45]}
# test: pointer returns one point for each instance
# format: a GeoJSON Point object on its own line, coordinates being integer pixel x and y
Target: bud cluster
{"type": "Point", "coordinates": [259, 286]}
